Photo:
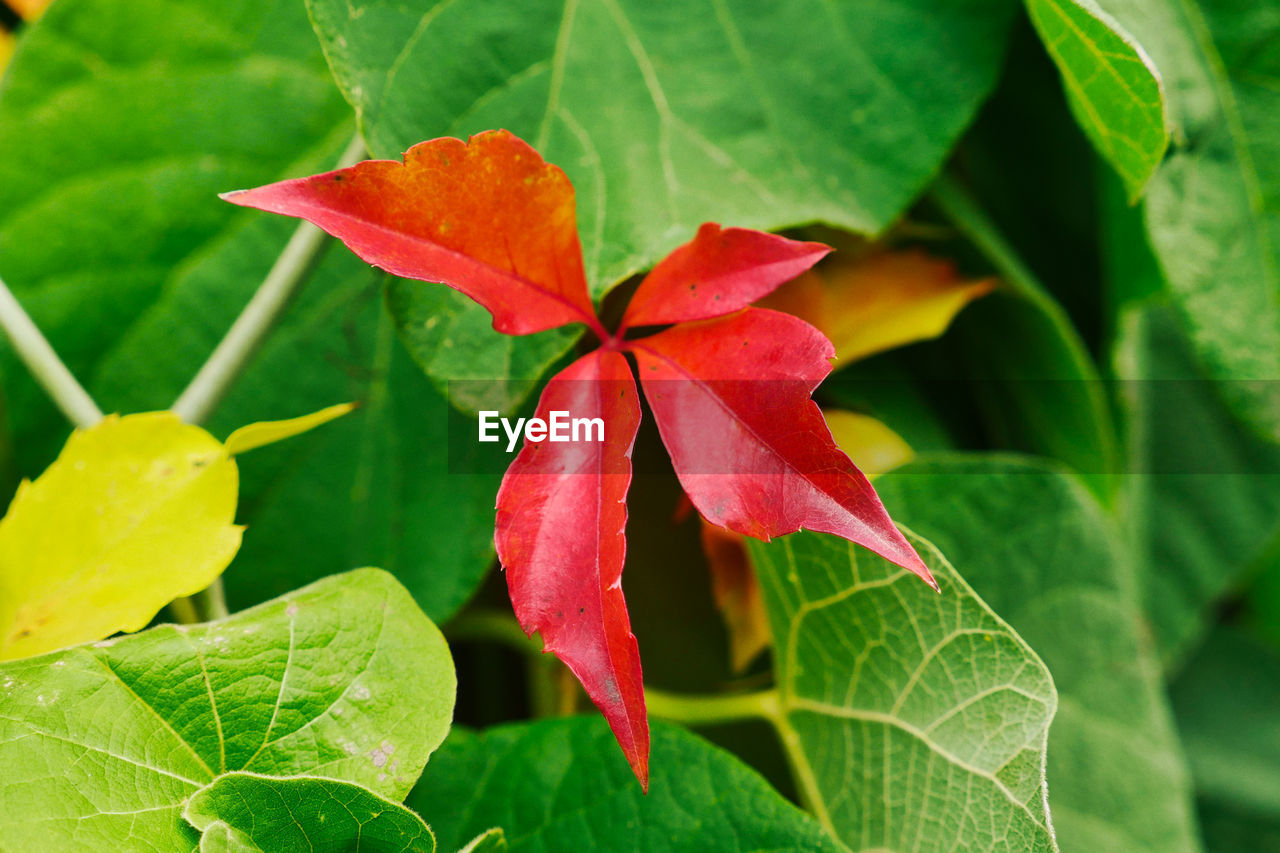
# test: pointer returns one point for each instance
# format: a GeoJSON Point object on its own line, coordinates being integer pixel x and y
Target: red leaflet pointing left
{"type": "Point", "coordinates": [489, 218]}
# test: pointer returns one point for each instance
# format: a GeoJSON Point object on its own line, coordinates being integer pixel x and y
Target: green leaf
{"type": "Point", "coordinates": [268, 813]}
{"type": "Point", "coordinates": [105, 742]}
{"type": "Point", "coordinates": [563, 785]}
{"type": "Point", "coordinates": [1226, 699]}
{"type": "Point", "coordinates": [1112, 86]}
{"type": "Point", "coordinates": [1039, 550]}
{"type": "Point", "coordinates": [381, 486]}
{"type": "Point", "coordinates": [1201, 501]}
{"type": "Point", "coordinates": [452, 339]}
{"type": "Point", "coordinates": [912, 719]}
{"type": "Point", "coordinates": [668, 116]}
{"type": "Point", "coordinates": [1212, 214]}
{"type": "Point", "coordinates": [119, 124]}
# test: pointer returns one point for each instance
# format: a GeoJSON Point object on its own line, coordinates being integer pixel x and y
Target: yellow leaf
{"type": "Point", "coordinates": [872, 446]}
{"type": "Point", "coordinates": [268, 432]}
{"type": "Point", "coordinates": [135, 512]}
{"type": "Point", "coordinates": [29, 10]}
{"type": "Point", "coordinates": [874, 302]}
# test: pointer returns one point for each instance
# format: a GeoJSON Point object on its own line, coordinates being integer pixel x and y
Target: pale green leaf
{"type": "Point", "coordinates": [563, 785]}
{"type": "Point", "coordinates": [272, 813]}
{"type": "Point", "coordinates": [345, 679]}
{"type": "Point", "coordinates": [135, 512]}
{"type": "Point", "coordinates": [914, 720]}
{"type": "Point", "coordinates": [1039, 550]}
{"type": "Point", "coordinates": [666, 116]}
{"type": "Point", "coordinates": [1112, 86]}
{"type": "Point", "coordinates": [1212, 209]}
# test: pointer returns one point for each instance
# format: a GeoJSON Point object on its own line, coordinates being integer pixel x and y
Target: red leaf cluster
{"type": "Point", "coordinates": [729, 385]}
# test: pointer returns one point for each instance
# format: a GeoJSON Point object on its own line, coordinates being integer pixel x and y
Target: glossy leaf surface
{"type": "Point", "coordinates": [731, 397]}
{"type": "Point", "coordinates": [665, 117]}
{"type": "Point", "coordinates": [913, 720]}
{"type": "Point", "coordinates": [104, 741]}
{"type": "Point", "coordinates": [718, 272]}
{"type": "Point", "coordinates": [487, 217]}
{"type": "Point", "coordinates": [584, 797]}
{"type": "Point", "coordinates": [1112, 86]}
{"type": "Point", "coordinates": [260, 814]}
{"type": "Point", "coordinates": [560, 536]}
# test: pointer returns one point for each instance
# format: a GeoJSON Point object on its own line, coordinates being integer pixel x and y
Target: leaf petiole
{"type": "Point", "coordinates": [45, 366]}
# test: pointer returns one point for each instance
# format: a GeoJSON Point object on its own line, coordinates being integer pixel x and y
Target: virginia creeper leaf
{"type": "Point", "coordinates": [100, 743]}
{"type": "Point", "coordinates": [718, 272]}
{"type": "Point", "coordinates": [1112, 86]}
{"type": "Point", "coordinates": [560, 785]}
{"type": "Point", "coordinates": [487, 217]}
{"type": "Point", "coordinates": [873, 448]}
{"type": "Point", "coordinates": [870, 303]}
{"type": "Point", "coordinates": [731, 397]}
{"type": "Point", "coordinates": [272, 813]}
{"type": "Point", "coordinates": [914, 721]}
{"type": "Point", "coordinates": [135, 512]}
{"type": "Point", "coordinates": [560, 535]}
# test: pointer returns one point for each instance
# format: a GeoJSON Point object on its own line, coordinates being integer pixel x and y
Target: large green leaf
{"type": "Point", "coordinates": [377, 487]}
{"type": "Point", "coordinates": [913, 720]}
{"type": "Point", "coordinates": [1203, 499]}
{"type": "Point", "coordinates": [104, 742]}
{"type": "Point", "coordinates": [1112, 86]}
{"type": "Point", "coordinates": [667, 115]}
{"type": "Point", "coordinates": [119, 124]}
{"type": "Point", "coordinates": [259, 814]}
{"type": "Point", "coordinates": [1226, 700]}
{"type": "Point", "coordinates": [563, 785]}
{"type": "Point", "coordinates": [1038, 549]}
{"type": "Point", "coordinates": [1213, 207]}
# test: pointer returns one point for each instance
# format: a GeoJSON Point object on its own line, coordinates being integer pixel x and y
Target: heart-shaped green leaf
{"type": "Point", "coordinates": [98, 743]}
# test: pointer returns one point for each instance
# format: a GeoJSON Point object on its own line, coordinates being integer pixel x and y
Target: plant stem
{"type": "Point", "coordinates": [712, 709]}
{"type": "Point", "coordinates": [255, 321]}
{"type": "Point", "coordinates": [244, 337]}
{"type": "Point", "coordinates": [495, 627]}
{"type": "Point", "coordinates": [184, 611]}
{"type": "Point", "coordinates": [44, 364]}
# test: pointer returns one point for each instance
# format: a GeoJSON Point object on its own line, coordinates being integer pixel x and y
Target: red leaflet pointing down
{"type": "Point", "coordinates": [729, 385]}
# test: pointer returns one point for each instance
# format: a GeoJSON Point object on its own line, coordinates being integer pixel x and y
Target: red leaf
{"type": "Point", "coordinates": [560, 537]}
{"type": "Point", "coordinates": [488, 217]}
{"type": "Point", "coordinates": [717, 273]}
{"type": "Point", "coordinates": [731, 397]}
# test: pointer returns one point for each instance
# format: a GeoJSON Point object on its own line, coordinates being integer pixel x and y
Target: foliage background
{"type": "Point", "coordinates": [1096, 439]}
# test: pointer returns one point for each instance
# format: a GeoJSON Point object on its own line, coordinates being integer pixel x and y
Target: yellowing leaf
{"type": "Point", "coordinates": [29, 10]}
{"type": "Point", "coordinates": [268, 432]}
{"type": "Point", "coordinates": [874, 448]}
{"type": "Point", "coordinates": [874, 302]}
{"type": "Point", "coordinates": [135, 512]}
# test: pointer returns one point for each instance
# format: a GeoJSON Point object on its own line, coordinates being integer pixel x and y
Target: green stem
{"type": "Point", "coordinates": [246, 334]}
{"type": "Point", "coordinates": [256, 320]}
{"type": "Point", "coordinates": [709, 710]}
{"type": "Point", "coordinates": [492, 626]}
{"type": "Point", "coordinates": [44, 364]}
{"type": "Point", "coordinates": [969, 218]}
{"type": "Point", "coordinates": [184, 611]}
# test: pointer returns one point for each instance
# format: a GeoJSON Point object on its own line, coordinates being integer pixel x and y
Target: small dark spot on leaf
{"type": "Point", "coordinates": [338, 178]}
{"type": "Point", "coordinates": [716, 297]}
{"type": "Point", "coordinates": [582, 610]}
